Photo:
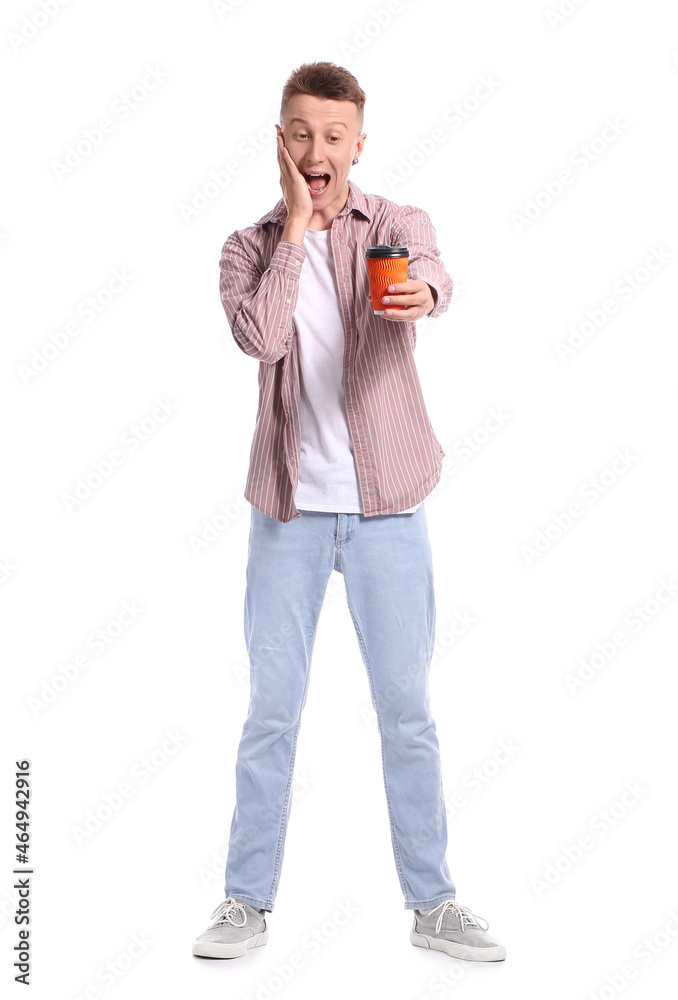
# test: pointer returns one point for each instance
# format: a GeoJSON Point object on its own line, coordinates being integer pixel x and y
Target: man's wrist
{"type": "Point", "coordinates": [294, 231]}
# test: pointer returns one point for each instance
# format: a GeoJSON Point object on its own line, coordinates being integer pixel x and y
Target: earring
{"type": "Point", "coordinates": [354, 162]}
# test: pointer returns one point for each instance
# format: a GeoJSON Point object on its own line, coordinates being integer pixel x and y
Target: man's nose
{"type": "Point", "coordinates": [317, 153]}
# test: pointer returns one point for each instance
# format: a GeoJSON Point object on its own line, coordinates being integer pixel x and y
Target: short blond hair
{"type": "Point", "coordinates": [324, 79]}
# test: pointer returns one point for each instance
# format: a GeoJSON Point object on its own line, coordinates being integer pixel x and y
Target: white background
{"type": "Point", "coordinates": [155, 867]}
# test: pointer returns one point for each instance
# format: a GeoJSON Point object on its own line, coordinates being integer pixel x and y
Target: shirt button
{"type": "Point", "coordinates": [287, 301]}
{"type": "Point", "coordinates": [297, 262]}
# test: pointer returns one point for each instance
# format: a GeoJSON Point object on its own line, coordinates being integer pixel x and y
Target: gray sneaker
{"type": "Point", "coordinates": [236, 927]}
{"type": "Point", "coordinates": [457, 931]}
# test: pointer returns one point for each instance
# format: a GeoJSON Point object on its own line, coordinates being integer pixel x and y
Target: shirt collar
{"type": "Point", "coordinates": [356, 202]}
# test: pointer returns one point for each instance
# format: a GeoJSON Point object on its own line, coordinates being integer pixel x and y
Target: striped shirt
{"type": "Point", "coordinates": [397, 454]}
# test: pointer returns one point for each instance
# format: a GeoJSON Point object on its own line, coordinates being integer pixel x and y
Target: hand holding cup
{"type": "Point", "coordinates": [393, 295]}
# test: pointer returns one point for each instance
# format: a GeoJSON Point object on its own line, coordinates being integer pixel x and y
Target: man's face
{"type": "Point", "coordinates": [323, 136]}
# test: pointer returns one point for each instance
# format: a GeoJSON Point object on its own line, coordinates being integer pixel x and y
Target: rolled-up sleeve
{"type": "Point", "coordinates": [259, 305]}
{"type": "Point", "coordinates": [412, 227]}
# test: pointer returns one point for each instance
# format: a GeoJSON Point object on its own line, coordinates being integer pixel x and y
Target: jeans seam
{"type": "Point", "coordinates": [285, 809]}
{"type": "Point", "coordinates": [394, 838]}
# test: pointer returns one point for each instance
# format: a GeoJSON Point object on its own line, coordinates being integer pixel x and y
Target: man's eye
{"type": "Point", "coordinates": [304, 135]}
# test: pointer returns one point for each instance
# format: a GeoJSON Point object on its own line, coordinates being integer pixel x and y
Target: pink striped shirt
{"type": "Point", "coordinates": [397, 454]}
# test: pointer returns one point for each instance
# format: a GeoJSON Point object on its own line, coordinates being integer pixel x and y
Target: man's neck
{"type": "Point", "coordinates": [323, 218]}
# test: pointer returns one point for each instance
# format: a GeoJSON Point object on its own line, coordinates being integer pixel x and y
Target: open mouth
{"type": "Point", "coordinates": [317, 182]}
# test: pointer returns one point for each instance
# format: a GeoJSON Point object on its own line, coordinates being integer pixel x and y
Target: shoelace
{"type": "Point", "coordinates": [463, 912]}
{"type": "Point", "coordinates": [225, 910]}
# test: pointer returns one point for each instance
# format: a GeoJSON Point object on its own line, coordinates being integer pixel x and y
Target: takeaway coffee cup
{"type": "Point", "coordinates": [385, 266]}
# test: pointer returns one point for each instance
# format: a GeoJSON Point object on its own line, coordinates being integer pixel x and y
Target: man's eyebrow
{"type": "Point", "coordinates": [304, 122]}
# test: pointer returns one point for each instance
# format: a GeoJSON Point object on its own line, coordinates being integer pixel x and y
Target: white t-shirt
{"type": "Point", "coordinates": [327, 474]}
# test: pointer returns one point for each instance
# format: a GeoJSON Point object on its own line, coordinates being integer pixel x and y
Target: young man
{"type": "Point", "coordinates": [342, 458]}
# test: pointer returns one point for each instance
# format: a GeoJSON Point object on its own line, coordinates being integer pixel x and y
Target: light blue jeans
{"type": "Point", "coordinates": [386, 563]}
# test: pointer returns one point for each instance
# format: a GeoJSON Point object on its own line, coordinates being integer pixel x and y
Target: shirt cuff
{"type": "Point", "coordinates": [289, 257]}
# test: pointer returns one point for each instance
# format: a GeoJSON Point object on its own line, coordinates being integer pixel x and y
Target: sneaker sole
{"type": "Point", "coordinates": [235, 949]}
{"type": "Point", "coordinates": [495, 954]}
